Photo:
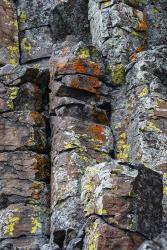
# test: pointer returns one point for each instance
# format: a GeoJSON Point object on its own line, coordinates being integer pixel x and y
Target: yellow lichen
{"type": "Point", "coordinates": [14, 52]}
{"type": "Point", "coordinates": [144, 92]}
{"type": "Point", "coordinates": [23, 17]}
{"type": "Point", "coordinates": [14, 131]}
{"type": "Point", "coordinates": [93, 238]}
{"type": "Point", "coordinates": [26, 45]}
{"type": "Point", "coordinates": [15, 23]}
{"type": "Point", "coordinates": [165, 190]}
{"type": "Point", "coordinates": [136, 34]}
{"type": "Point", "coordinates": [114, 188]}
{"type": "Point", "coordinates": [102, 211]}
{"type": "Point", "coordinates": [151, 126]}
{"type": "Point", "coordinates": [118, 75]}
{"type": "Point", "coordinates": [105, 4]}
{"type": "Point", "coordinates": [123, 147]}
{"type": "Point", "coordinates": [89, 185]}
{"type": "Point", "coordinates": [72, 144]}
{"type": "Point", "coordinates": [84, 53]}
{"type": "Point", "coordinates": [132, 225]}
{"type": "Point", "coordinates": [36, 225]}
{"type": "Point", "coordinates": [10, 225]}
{"type": "Point", "coordinates": [12, 94]}
{"type": "Point", "coordinates": [31, 139]}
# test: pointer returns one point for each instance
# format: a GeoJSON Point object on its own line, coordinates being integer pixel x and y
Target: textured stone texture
{"type": "Point", "coordinates": [80, 133]}
{"type": "Point", "coordinates": [24, 163]}
{"type": "Point", "coordinates": [9, 46]}
{"type": "Point", "coordinates": [117, 192]}
{"type": "Point", "coordinates": [100, 235]}
{"type": "Point", "coordinates": [99, 120]}
{"type": "Point", "coordinates": [159, 243]}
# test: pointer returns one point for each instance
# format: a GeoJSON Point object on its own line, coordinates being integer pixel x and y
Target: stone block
{"type": "Point", "coordinates": [124, 194]}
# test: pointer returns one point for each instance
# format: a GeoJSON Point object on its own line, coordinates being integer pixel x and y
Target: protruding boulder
{"type": "Point", "coordinates": [123, 196]}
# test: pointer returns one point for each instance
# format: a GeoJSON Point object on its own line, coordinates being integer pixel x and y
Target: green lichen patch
{"type": "Point", "coordinates": [118, 75]}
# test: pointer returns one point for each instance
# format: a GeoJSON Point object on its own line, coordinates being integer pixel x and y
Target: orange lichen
{"type": "Point", "coordinates": [79, 66]}
{"type": "Point", "coordinates": [95, 84]}
{"type": "Point", "coordinates": [40, 167]}
{"type": "Point", "coordinates": [36, 196]}
{"type": "Point", "coordinates": [133, 57]}
{"type": "Point", "coordinates": [75, 84]}
{"type": "Point", "coordinates": [40, 162]}
{"type": "Point", "coordinates": [98, 132]}
{"type": "Point", "coordinates": [36, 185]}
{"type": "Point", "coordinates": [91, 84]}
{"type": "Point", "coordinates": [65, 51]}
{"type": "Point", "coordinates": [142, 26]}
{"type": "Point", "coordinates": [66, 65]}
{"type": "Point", "coordinates": [83, 67]}
{"type": "Point", "coordinates": [36, 117]}
{"type": "Point", "coordinates": [36, 193]}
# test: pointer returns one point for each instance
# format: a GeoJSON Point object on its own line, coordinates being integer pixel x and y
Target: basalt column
{"type": "Point", "coordinates": [132, 37]}
{"type": "Point", "coordinates": [24, 147]}
{"type": "Point", "coordinates": [81, 136]}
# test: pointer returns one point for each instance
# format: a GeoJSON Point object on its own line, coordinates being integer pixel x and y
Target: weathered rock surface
{"type": "Point", "coordinates": [24, 163]}
{"type": "Point", "coordinates": [159, 243]}
{"type": "Point", "coordinates": [9, 45]}
{"type": "Point", "coordinates": [99, 120]}
{"type": "Point", "coordinates": [116, 192]}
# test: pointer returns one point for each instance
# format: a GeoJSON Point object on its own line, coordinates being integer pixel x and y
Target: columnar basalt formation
{"type": "Point", "coordinates": [83, 109]}
{"type": "Point", "coordinates": [24, 144]}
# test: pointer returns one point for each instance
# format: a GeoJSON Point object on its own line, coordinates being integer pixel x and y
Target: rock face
{"type": "Point", "coordinates": [83, 115]}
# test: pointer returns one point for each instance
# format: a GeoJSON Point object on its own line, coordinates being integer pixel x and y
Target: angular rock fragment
{"type": "Point", "coordinates": [33, 14]}
{"type": "Point", "coordinates": [36, 166]}
{"type": "Point", "coordinates": [124, 197]}
{"type": "Point", "coordinates": [21, 131]}
{"type": "Point", "coordinates": [100, 235]}
{"type": "Point", "coordinates": [70, 18]}
{"type": "Point", "coordinates": [18, 220]}
{"type": "Point", "coordinates": [36, 44]}
{"type": "Point", "coordinates": [80, 59]}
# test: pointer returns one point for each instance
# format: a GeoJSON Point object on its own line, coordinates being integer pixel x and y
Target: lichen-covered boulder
{"type": "Point", "coordinates": [20, 219]}
{"type": "Point", "coordinates": [100, 235]}
{"type": "Point", "coordinates": [76, 59]}
{"type": "Point", "coordinates": [123, 196]}
{"type": "Point", "coordinates": [36, 44]}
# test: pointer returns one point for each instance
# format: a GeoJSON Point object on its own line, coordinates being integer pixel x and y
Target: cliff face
{"type": "Point", "coordinates": [83, 125]}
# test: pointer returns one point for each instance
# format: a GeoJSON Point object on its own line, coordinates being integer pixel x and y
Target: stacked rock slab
{"type": "Point", "coordinates": [81, 135]}
{"type": "Point", "coordinates": [24, 164]}
{"type": "Point", "coordinates": [24, 161]}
